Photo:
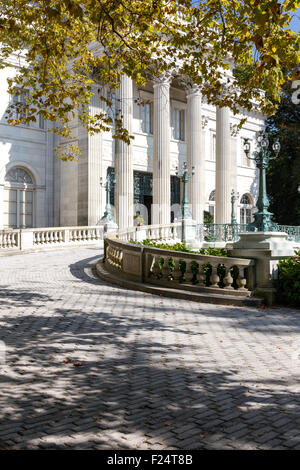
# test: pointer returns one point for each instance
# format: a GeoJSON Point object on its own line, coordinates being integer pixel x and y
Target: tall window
{"type": "Point", "coordinates": [213, 148]}
{"type": "Point", "coordinates": [178, 124]}
{"type": "Point", "coordinates": [111, 110]}
{"type": "Point", "coordinates": [18, 199]}
{"type": "Point", "coordinates": [211, 204]}
{"type": "Point", "coordinates": [245, 209]}
{"type": "Point", "coordinates": [41, 122]}
{"type": "Point", "coordinates": [18, 113]}
{"type": "Point", "coordinates": [245, 161]}
{"type": "Point", "coordinates": [147, 118]}
{"type": "Point", "coordinates": [16, 100]}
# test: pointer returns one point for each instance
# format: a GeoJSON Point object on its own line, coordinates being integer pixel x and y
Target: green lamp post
{"type": "Point", "coordinates": [185, 210]}
{"type": "Point", "coordinates": [262, 218]}
{"type": "Point", "coordinates": [108, 184]}
{"type": "Point", "coordinates": [234, 197]}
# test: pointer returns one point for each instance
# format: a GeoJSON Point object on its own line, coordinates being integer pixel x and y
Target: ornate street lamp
{"type": "Point", "coordinates": [108, 184]}
{"type": "Point", "coordinates": [262, 218]}
{"type": "Point", "coordinates": [185, 210]}
{"type": "Point", "coordinates": [234, 197]}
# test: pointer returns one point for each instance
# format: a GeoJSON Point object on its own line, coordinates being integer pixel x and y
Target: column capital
{"type": "Point", "coordinates": [163, 79]}
{"type": "Point", "coordinates": [192, 89]}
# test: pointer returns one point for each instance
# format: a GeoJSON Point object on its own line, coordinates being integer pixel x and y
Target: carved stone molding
{"type": "Point", "coordinates": [234, 130]}
{"type": "Point", "coordinates": [205, 120]}
{"type": "Point", "coordinates": [163, 79]}
{"type": "Point", "coordinates": [192, 88]}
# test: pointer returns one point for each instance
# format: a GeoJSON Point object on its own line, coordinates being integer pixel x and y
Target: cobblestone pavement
{"type": "Point", "coordinates": [91, 366]}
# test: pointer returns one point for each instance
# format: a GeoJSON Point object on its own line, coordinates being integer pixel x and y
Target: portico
{"type": "Point", "coordinates": [192, 140]}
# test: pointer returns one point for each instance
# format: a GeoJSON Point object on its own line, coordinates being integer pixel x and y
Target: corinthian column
{"type": "Point", "coordinates": [161, 151]}
{"type": "Point", "coordinates": [123, 158]}
{"type": "Point", "coordinates": [195, 155]}
{"type": "Point", "coordinates": [95, 166]}
{"type": "Point", "coordinates": [224, 166]}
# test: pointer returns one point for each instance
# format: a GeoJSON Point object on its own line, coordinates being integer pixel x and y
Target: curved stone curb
{"type": "Point", "coordinates": [175, 293]}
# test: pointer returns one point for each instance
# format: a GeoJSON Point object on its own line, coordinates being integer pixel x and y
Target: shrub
{"type": "Point", "coordinates": [182, 247]}
{"type": "Point", "coordinates": [288, 284]}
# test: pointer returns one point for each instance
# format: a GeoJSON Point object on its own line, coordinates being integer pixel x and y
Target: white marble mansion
{"type": "Point", "coordinates": [170, 123]}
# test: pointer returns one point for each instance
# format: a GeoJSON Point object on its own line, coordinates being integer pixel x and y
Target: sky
{"type": "Point", "coordinates": [295, 23]}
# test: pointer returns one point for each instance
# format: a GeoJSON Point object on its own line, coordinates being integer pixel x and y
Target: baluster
{"type": "Point", "coordinates": [165, 268]}
{"type": "Point", "coordinates": [156, 267]}
{"type": "Point", "coordinates": [188, 271]}
{"type": "Point", "coordinates": [214, 277]}
{"type": "Point", "coordinates": [201, 278]}
{"type": "Point", "coordinates": [241, 281]}
{"type": "Point", "coordinates": [176, 272]}
{"type": "Point", "coordinates": [228, 280]}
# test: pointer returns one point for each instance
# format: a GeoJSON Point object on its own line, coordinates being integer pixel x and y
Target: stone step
{"type": "Point", "coordinates": [212, 298]}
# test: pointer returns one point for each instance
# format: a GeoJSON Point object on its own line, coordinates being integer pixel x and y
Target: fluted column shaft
{"type": "Point", "coordinates": [95, 167]}
{"type": "Point", "coordinates": [224, 166]}
{"type": "Point", "coordinates": [161, 152]}
{"type": "Point", "coordinates": [195, 157]}
{"type": "Point", "coordinates": [123, 158]}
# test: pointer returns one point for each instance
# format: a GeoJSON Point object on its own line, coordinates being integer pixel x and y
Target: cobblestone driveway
{"type": "Point", "coordinates": [99, 367]}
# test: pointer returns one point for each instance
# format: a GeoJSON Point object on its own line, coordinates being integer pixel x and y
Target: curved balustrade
{"type": "Point", "coordinates": [190, 271]}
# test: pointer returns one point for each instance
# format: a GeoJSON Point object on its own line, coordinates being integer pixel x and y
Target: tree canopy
{"type": "Point", "coordinates": [72, 46]}
{"type": "Point", "coordinates": [283, 174]}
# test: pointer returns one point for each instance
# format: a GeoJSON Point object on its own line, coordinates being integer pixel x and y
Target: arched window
{"type": "Point", "coordinates": [211, 204]}
{"type": "Point", "coordinates": [18, 199]}
{"type": "Point", "coordinates": [245, 209]}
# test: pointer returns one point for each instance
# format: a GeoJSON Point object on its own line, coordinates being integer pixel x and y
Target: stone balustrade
{"type": "Point", "coordinates": [163, 233]}
{"type": "Point", "coordinates": [37, 238]}
{"type": "Point", "coordinates": [9, 239]}
{"type": "Point", "coordinates": [214, 274]}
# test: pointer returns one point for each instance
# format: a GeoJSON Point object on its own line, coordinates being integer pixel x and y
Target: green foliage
{"type": "Point", "coordinates": [71, 48]}
{"type": "Point", "coordinates": [208, 218]}
{"type": "Point", "coordinates": [166, 246]}
{"type": "Point", "coordinates": [288, 284]}
{"type": "Point", "coordinates": [283, 173]}
{"type": "Point", "coordinates": [213, 251]}
{"type": "Point", "coordinates": [182, 247]}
